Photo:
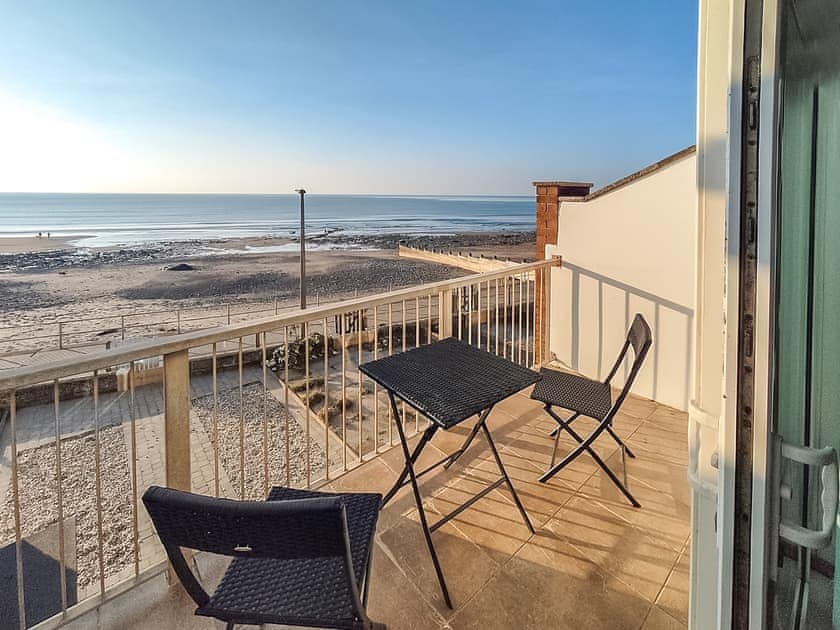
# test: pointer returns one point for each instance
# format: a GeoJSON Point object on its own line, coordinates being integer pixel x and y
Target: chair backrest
{"type": "Point", "coordinates": [639, 338]}
{"type": "Point", "coordinates": [304, 528]}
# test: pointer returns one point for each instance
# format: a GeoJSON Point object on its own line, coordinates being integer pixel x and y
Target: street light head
{"type": "Point", "coordinates": [300, 191]}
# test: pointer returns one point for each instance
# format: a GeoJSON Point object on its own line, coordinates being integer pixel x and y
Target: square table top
{"type": "Point", "coordinates": [449, 380]}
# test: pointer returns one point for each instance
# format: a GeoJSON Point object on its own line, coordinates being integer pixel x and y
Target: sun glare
{"type": "Point", "coordinates": [42, 150]}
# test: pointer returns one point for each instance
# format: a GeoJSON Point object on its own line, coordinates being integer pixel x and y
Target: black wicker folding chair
{"type": "Point", "coordinates": [591, 398]}
{"type": "Point", "coordinates": [301, 558]}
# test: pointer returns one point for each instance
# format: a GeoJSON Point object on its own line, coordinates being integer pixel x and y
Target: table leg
{"type": "Point", "coordinates": [421, 444]}
{"type": "Point", "coordinates": [409, 464]}
{"type": "Point", "coordinates": [506, 478]}
{"type": "Point", "coordinates": [454, 456]}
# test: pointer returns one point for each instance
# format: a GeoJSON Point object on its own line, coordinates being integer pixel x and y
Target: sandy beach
{"type": "Point", "coordinates": [40, 287]}
{"type": "Point", "coordinates": [19, 245]}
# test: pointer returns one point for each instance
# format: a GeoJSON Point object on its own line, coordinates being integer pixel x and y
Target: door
{"type": "Point", "coordinates": [806, 409]}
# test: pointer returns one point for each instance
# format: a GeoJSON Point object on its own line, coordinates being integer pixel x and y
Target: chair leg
{"type": "Point", "coordinates": [624, 462]}
{"type": "Point", "coordinates": [366, 584]}
{"type": "Point", "coordinates": [620, 442]}
{"type": "Point", "coordinates": [586, 445]}
{"type": "Point", "coordinates": [229, 625]}
{"type": "Point", "coordinates": [556, 443]}
{"type": "Point", "coordinates": [196, 569]}
{"type": "Point", "coordinates": [556, 430]}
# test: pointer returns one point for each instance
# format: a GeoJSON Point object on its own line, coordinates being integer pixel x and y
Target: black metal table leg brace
{"type": "Point", "coordinates": [421, 444]}
{"type": "Point", "coordinates": [454, 456]}
{"type": "Point", "coordinates": [505, 476]}
{"type": "Point", "coordinates": [409, 465]}
{"type": "Point", "coordinates": [408, 470]}
{"type": "Point", "coordinates": [585, 445]}
{"type": "Point", "coordinates": [481, 425]}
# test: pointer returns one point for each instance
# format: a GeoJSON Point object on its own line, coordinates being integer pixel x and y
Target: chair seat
{"type": "Point", "coordinates": [576, 393]}
{"type": "Point", "coordinates": [310, 592]}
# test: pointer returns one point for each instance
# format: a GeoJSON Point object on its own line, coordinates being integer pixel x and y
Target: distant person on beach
{"type": "Point", "coordinates": [39, 235]}
{"type": "Point", "coordinates": [48, 234]}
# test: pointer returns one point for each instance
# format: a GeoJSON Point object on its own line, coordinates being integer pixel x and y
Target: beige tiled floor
{"type": "Point", "coordinates": [594, 562]}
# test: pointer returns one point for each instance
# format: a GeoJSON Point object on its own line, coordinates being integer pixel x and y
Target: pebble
{"type": "Point", "coordinates": [38, 499]}
{"type": "Point", "coordinates": [227, 418]}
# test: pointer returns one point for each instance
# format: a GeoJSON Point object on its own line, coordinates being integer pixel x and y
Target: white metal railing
{"type": "Point", "coordinates": [69, 332]}
{"type": "Point", "coordinates": [219, 412]}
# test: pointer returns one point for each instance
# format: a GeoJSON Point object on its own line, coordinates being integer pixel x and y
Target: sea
{"type": "Point", "coordinates": [109, 220]}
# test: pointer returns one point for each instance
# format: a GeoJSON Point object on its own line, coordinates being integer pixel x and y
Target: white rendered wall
{"type": "Point", "coordinates": [630, 250]}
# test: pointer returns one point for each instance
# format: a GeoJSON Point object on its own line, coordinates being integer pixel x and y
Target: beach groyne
{"type": "Point", "coordinates": [469, 261]}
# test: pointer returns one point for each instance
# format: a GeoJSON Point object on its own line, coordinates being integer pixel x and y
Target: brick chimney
{"type": "Point", "coordinates": [549, 196]}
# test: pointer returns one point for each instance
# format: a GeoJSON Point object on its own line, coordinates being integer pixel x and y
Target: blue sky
{"type": "Point", "coordinates": [340, 97]}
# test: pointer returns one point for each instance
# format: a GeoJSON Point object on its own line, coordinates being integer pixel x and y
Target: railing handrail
{"type": "Point", "coordinates": [125, 326]}
{"type": "Point", "coordinates": [128, 312]}
{"type": "Point", "coordinates": [132, 351]}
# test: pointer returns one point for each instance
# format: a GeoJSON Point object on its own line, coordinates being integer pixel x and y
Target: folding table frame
{"type": "Point", "coordinates": [448, 395]}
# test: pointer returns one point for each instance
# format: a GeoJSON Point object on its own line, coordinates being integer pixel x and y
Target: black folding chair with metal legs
{"type": "Point", "coordinates": [591, 398]}
{"type": "Point", "coordinates": [301, 558]}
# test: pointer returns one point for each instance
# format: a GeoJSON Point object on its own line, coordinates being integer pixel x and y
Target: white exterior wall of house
{"type": "Point", "coordinates": [592, 293]}
{"type": "Point", "coordinates": [631, 249]}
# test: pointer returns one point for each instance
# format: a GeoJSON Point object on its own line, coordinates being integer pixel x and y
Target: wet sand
{"type": "Point", "coordinates": [10, 245]}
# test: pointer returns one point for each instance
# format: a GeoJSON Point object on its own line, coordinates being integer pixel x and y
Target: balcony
{"type": "Point", "coordinates": [309, 420]}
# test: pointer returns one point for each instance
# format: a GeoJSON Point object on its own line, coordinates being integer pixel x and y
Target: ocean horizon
{"type": "Point", "coordinates": [108, 220]}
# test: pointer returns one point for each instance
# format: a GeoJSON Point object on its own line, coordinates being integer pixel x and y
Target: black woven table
{"type": "Point", "coordinates": [448, 381]}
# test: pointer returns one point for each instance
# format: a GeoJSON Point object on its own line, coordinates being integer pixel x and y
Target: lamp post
{"type": "Point", "coordinates": [302, 192]}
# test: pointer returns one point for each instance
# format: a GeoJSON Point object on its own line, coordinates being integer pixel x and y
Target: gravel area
{"type": "Point", "coordinates": [38, 499]}
{"type": "Point", "coordinates": [75, 257]}
{"type": "Point", "coordinates": [371, 273]}
{"type": "Point", "coordinates": [228, 425]}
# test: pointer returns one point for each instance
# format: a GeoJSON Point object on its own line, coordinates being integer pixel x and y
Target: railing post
{"type": "Point", "coordinates": [178, 319]}
{"type": "Point", "coordinates": [176, 421]}
{"type": "Point", "coordinates": [61, 335]}
{"type": "Point", "coordinates": [228, 314]}
{"type": "Point", "coordinates": [122, 327]}
{"type": "Point", "coordinates": [445, 313]}
{"type": "Point", "coordinates": [176, 392]}
{"type": "Point", "coordinates": [542, 311]}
